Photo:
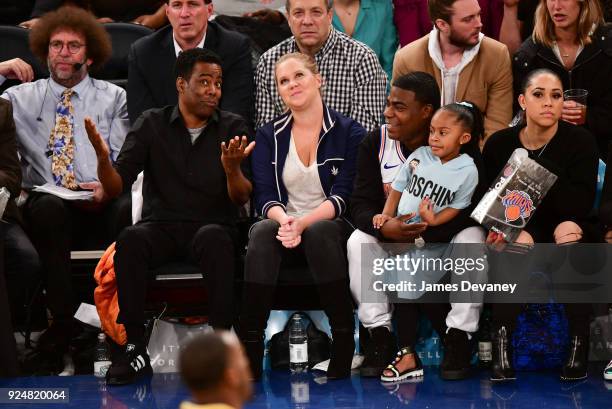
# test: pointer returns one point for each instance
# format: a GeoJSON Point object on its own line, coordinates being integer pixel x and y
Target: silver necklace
{"type": "Point", "coordinates": [542, 149]}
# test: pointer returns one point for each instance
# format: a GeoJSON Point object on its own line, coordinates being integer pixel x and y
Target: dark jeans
{"type": "Point", "coordinates": [56, 227]}
{"type": "Point", "coordinates": [8, 349]}
{"type": "Point", "coordinates": [147, 245]}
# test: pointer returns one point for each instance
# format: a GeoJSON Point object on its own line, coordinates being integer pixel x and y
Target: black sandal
{"type": "Point", "coordinates": [409, 373]}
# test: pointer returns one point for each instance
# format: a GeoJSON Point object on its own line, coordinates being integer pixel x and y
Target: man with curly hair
{"type": "Point", "coordinates": [54, 149]}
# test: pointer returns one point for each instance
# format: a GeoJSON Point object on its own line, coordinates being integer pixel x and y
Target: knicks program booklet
{"type": "Point", "coordinates": [516, 193]}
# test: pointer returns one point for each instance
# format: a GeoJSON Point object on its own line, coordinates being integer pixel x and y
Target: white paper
{"type": "Point", "coordinates": [88, 314]}
{"type": "Point", "coordinates": [64, 193]}
{"type": "Point", "coordinates": [356, 363]}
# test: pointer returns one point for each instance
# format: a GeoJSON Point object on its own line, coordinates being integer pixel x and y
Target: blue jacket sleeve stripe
{"type": "Point", "coordinates": [268, 206]}
{"type": "Point", "coordinates": [337, 204]}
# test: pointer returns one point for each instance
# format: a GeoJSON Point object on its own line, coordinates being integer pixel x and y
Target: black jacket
{"type": "Point", "coordinates": [10, 171]}
{"type": "Point", "coordinates": [592, 71]}
{"type": "Point", "coordinates": [151, 80]}
{"type": "Point", "coordinates": [570, 156]}
{"type": "Point", "coordinates": [369, 199]}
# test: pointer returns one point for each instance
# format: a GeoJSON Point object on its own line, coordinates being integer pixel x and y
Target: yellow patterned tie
{"type": "Point", "coordinates": [61, 143]}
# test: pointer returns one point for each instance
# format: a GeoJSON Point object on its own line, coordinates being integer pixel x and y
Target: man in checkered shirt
{"type": "Point", "coordinates": [354, 82]}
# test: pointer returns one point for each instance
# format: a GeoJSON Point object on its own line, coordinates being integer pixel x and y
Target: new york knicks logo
{"type": "Point", "coordinates": [518, 204]}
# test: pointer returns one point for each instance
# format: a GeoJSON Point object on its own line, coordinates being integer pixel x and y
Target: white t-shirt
{"type": "Point", "coordinates": [304, 190]}
{"type": "Point", "coordinates": [195, 133]}
{"type": "Point", "coordinates": [448, 185]}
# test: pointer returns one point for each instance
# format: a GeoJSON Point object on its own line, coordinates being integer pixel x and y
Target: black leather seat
{"type": "Point", "coordinates": [122, 36]}
{"type": "Point", "coordinates": [181, 288]}
{"type": "Point", "coordinates": [15, 44]}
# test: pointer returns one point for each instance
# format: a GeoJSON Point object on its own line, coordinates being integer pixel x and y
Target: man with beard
{"type": "Point", "coordinates": [54, 149]}
{"type": "Point", "coordinates": [411, 104]}
{"type": "Point", "coordinates": [467, 65]}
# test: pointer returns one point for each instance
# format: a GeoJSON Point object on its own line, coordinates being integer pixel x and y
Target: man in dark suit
{"type": "Point", "coordinates": [151, 79]}
{"type": "Point", "coordinates": [16, 251]}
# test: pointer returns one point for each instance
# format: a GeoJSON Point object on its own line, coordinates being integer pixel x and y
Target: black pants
{"type": "Point", "coordinates": [323, 247]}
{"type": "Point", "coordinates": [56, 227]}
{"type": "Point", "coordinates": [148, 245]}
{"type": "Point", "coordinates": [22, 268]}
{"type": "Point", "coordinates": [407, 318]}
{"type": "Point", "coordinates": [8, 349]}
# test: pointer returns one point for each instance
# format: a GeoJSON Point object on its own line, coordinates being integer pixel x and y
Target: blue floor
{"type": "Point", "coordinates": [279, 390]}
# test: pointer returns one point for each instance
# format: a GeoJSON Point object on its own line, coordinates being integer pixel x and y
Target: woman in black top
{"type": "Point", "coordinates": [570, 152]}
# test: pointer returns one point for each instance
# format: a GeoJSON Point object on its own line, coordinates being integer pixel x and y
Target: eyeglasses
{"type": "Point", "coordinates": [73, 46]}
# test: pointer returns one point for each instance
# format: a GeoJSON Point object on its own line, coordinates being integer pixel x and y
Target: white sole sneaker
{"type": "Point", "coordinates": [607, 373]}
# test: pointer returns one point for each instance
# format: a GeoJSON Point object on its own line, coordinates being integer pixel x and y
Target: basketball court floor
{"type": "Point", "coordinates": [279, 389]}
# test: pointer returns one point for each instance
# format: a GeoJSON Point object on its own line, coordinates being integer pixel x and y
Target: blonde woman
{"type": "Point", "coordinates": [571, 39]}
{"type": "Point", "coordinates": [303, 168]}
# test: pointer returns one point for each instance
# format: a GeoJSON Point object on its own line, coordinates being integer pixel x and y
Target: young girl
{"type": "Point", "coordinates": [435, 182]}
{"type": "Point", "coordinates": [438, 180]}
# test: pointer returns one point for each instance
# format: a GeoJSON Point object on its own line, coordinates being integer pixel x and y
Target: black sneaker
{"type": "Point", "coordinates": [129, 366]}
{"type": "Point", "coordinates": [380, 350]}
{"type": "Point", "coordinates": [457, 354]}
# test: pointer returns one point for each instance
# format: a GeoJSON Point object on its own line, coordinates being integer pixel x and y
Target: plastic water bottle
{"type": "Point", "coordinates": [102, 359]}
{"type": "Point", "coordinates": [298, 345]}
{"type": "Point", "coordinates": [300, 390]}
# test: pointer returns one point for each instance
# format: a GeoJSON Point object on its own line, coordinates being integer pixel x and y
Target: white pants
{"type": "Point", "coordinates": [371, 315]}
{"type": "Point", "coordinates": [463, 316]}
